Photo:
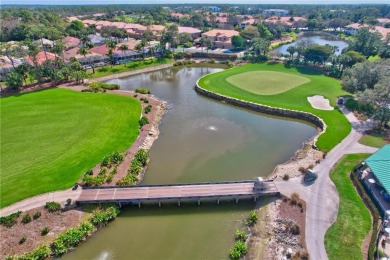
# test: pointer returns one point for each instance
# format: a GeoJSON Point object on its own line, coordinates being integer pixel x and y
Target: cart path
{"type": "Point", "coordinates": [322, 198]}
{"type": "Point", "coordinates": [40, 200]}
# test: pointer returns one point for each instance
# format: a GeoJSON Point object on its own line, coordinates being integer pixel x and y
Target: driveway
{"type": "Point", "coordinates": [322, 198]}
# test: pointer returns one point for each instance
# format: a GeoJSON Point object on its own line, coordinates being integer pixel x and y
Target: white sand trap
{"type": "Point", "coordinates": [319, 102]}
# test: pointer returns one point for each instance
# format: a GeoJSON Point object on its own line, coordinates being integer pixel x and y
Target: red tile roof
{"type": "Point", "coordinates": [215, 33]}
{"type": "Point", "coordinates": [41, 57]}
{"type": "Point", "coordinates": [70, 42]}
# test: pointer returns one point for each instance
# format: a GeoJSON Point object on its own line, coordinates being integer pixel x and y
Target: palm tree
{"type": "Point", "coordinates": [84, 51]}
{"type": "Point", "coordinates": [291, 49]}
{"type": "Point", "coordinates": [111, 45]}
{"type": "Point", "coordinates": [123, 48]}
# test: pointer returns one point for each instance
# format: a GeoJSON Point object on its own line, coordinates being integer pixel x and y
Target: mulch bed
{"type": "Point", "coordinates": [57, 223]}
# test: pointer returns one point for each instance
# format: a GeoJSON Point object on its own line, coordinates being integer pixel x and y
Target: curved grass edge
{"type": "Point", "coordinates": [284, 112]}
{"type": "Point", "coordinates": [337, 125]}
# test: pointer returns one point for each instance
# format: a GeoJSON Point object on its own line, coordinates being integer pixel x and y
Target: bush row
{"type": "Point", "coordinates": [374, 212]}
{"type": "Point", "coordinates": [100, 87]}
{"type": "Point", "coordinates": [89, 180]}
{"type": "Point", "coordinates": [72, 237]}
{"type": "Point", "coordinates": [142, 91]}
{"type": "Point", "coordinates": [139, 161]}
{"type": "Point", "coordinates": [114, 159]}
{"type": "Point", "coordinates": [143, 121]}
{"type": "Point", "coordinates": [240, 247]}
{"type": "Point", "coordinates": [183, 62]}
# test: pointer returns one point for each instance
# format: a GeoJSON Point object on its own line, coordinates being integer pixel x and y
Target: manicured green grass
{"type": "Point", "coordinates": [338, 126]}
{"type": "Point", "coordinates": [373, 140]}
{"type": "Point", "coordinates": [49, 138]}
{"type": "Point", "coordinates": [108, 70]}
{"type": "Point", "coordinates": [266, 82]}
{"type": "Point", "coordinates": [344, 238]}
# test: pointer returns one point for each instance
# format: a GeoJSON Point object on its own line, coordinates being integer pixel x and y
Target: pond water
{"type": "Point", "coordinates": [321, 38]}
{"type": "Point", "coordinates": [200, 140]}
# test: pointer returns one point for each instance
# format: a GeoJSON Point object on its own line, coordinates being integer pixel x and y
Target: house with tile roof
{"type": "Point", "coordinates": [40, 58]}
{"type": "Point", "coordinates": [194, 32]}
{"type": "Point", "coordinates": [221, 38]}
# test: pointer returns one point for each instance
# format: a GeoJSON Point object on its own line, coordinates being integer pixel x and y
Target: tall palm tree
{"type": "Point", "coordinates": [111, 45]}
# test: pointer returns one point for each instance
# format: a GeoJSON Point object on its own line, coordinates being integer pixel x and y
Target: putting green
{"type": "Point", "coordinates": [266, 82]}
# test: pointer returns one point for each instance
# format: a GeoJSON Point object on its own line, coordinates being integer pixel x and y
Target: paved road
{"type": "Point", "coordinates": [40, 200]}
{"type": "Point", "coordinates": [321, 197]}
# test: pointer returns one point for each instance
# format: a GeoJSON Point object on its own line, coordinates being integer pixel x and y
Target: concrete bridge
{"type": "Point", "coordinates": [179, 192]}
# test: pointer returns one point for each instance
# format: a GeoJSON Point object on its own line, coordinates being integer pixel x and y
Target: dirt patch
{"type": "Point", "coordinates": [285, 229]}
{"type": "Point", "coordinates": [319, 102]}
{"type": "Point", "coordinates": [57, 222]}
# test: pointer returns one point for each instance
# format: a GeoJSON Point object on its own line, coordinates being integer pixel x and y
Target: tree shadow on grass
{"type": "Point", "coordinates": [309, 71]}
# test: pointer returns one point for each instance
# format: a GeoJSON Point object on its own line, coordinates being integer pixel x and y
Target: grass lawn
{"type": "Point", "coordinates": [49, 138]}
{"type": "Point", "coordinates": [344, 238]}
{"type": "Point", "coordinates": [108, 70]}
{"type": "Point", "coordinates": [266, 82]}
{"type": "Point", "coordinates": [295, 98]}
{"type": "Point", "coordinates": [373, 140]}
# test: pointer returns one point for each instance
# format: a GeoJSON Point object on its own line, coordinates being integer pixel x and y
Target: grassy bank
{"type": "Point", "coordinates": [295, 98]}
{"type": "Point", "coordinates": [344, 238]}
{"type": "Point", "coordinates": [108, 70]}
{"type": "Point", "coordinates": [49, 138]}
{"type": "Point", "coordinates": [373, 140]}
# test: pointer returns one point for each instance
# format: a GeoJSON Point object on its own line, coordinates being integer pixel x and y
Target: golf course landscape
{"type": "Point", "coordinates": [278, 86]}
{"type": "Point", "coordinates": [49, 138]}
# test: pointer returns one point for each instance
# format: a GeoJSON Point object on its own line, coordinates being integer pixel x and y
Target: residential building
{"type": "Point", "coordinates": [278, 12]}
{"type": "Point", "coordinates": [40, 58]}
{"type": "Point", "coordinates": [135, 30]}
{"type": "Point", "coordinates": [96, 39]}
{"type": "Point", "coordinates": [221, 38]}
{"type": "Point", "coordinates": [71, 42]}
{"type": "Point", "coordinates": [287, 20]}
{"type": "Point", "coordinates": [247, 22]}
{"type": "Point", "coordinates": [157, 30]}
{"type": "Point", "coordinates": [352, 29]}
{"type": "Point", "coordinates": [383, 21]}
{"type": "Point", "coordinates": [194, 32]}
{"type": "Point", "coordinates": [214, 9]}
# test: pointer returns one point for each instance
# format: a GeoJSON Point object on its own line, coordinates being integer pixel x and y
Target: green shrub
{"type": "Point", "coordinates": [129, 179]}
{"type": "Point", "coordinates": [115, 170]}
{"type": "Point", "coordinates": [86, 228]}
{"type": "Point", "coordinates": [58, 248]}
{"type": "Point", "coordinates": [142, 91]}
{"type": "Point", "coordinates": [45, 231]}
{"type": "Point", "coordinates": [143, 121]}
{"type": "Point", "coordinates": [106, 162]}
{"type": "Point", "coordinates": [147, 109]}
{"type": "Point", "coordinates": [142, 156]}
{"type": "Point", "coordinates": [52, 206]}
{"type": "Point", "coordinates": [41, 252]}
{"type": "Point", "coordinates": [239, 249]}
{"type": "Point", "coordinates": [241, 235]}
{"type": "Point", "coordinates": [102, 217]}
{"type": "Point", "coordinates": [88, 180]}
{"type": "Point", "coordinates": [22, 240]}
{"type": "Point", "coordinates": [103, 170]}
{"type": "Point", "coordinates": [101, 87]}
{"type": "Point", "coordinates": [89, 172]}
{"type": "Point", "coordinates": [10, 220]}
{"type": "Point", "coordinates": [109, 178]}
{"type": "Point", "coordinates": [26, 219]}
{"type": "Point", "coordinates": [37, 215]}
{"type": "Point", "coordinates": [116, 158]}
{"type": "Point", "coordinates": [252, 218]}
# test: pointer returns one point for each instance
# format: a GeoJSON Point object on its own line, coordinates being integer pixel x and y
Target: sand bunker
{"type": "Point", "coordinates": [319, 102]}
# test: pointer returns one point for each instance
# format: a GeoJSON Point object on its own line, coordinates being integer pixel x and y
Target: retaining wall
{"type": "Point", "coordinates": [309, 117]}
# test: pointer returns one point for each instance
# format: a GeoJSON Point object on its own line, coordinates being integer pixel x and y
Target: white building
{"type": "Point", "coordinates": [278, 12]}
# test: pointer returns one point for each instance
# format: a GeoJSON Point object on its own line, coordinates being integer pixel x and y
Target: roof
{"type": "Point", "coordinates": [88, 22]}
{"type": "Point", "coordinates": [354, 25]}
{"type": "Point", "coordinates": [100, 49]}
{"type": "Point", "coordinates": [183, 29]}
{"type": "Point", "coordinates": [41, 57]}
{"type": "Point", "coordinates": [285, 20]}
{"type": "Point", "coordinates": [96, 38]}
{"type": "Point", "coordinates": [71, 53]}
{"type": "Point", "coordinates": [379, 164]}
{"type": "Point", "coordinates": [119, 24]}
{"type": "Point", "coordinates": [135, 26]}
{"type": "Point", "coordinates": [156, 27]}
{"type": "Point", "coordinates": [70, 41]}
{"type": "Point", "coordinates": [215, 33]}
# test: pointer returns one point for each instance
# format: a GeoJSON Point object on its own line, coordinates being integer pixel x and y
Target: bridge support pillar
{"type": "Point", "coordinates": [236, 200]}
{"type": "Point", "coordinates": [139, 204]}
{"type": "Point", "coordinates": [218, 201]}
{"type": "Point", "coordinates": [159, 204]}
{"type": "Point", "coordinates": [198, 202]}
{"type": "Point", "coordinates": [178, 203]}
{"type": "Point", "coordinates": [120, 205]}
{"type": "Point", "coordinates": [255, 199]}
